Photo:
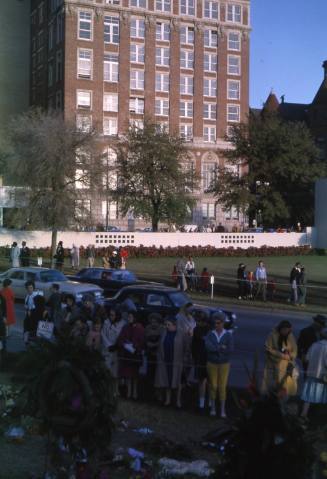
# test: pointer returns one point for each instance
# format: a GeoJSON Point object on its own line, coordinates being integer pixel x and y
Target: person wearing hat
{"type": "Point", "coordinates": [219, 346]}
{"type": "Point", "coordinates": [310, 335]}
{"type": "Point", "coordinates": [171, 358]}
{"type": "Point", "coordinates": [9, 297]}
{"type": "Point", "coordinates": [281, 351]}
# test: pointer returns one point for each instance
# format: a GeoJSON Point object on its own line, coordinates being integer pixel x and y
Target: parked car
{"type": "Point", "coordinates": [44, 278]}
{"type": "Point", "coordinates": [110, 280]}
{"type": "Point", "coordinates": [163, 300]}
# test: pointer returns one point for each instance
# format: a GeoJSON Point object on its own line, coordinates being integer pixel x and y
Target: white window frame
{"type": "Point", "coordinates": [110, 126]}
{"type": "Point", "coordinates": [163, 83]}
{"type": "Point", "coordinates": [210, 38]}
{"type": "Point", "coordinates": [162, 56]}
{"type": "Point", "coordinates": [211, 88]}
{"type": "Point", "coordinates": [136, 105]}
{"type": "Point", "coordinates": [112, 24]}
{"type": "Point", "coordinates": [139, 28]}
{"type": "Point", "coordinates": [86, 21]}
{"type": "Point", "coordinates": [84, 122]}
{"type": "Point", "coordinates": [110, 102]}
{"type": "Point", "coordinates": [186, 109]}
{"type": "Point", "coordinates": [138, 3]}
{"type": "Point", "coordinates": [80, 70]}
{"type": "Point", "coordinates": [186, 131]}
{"type": "Point", "coordinates": [234, 13]}
{"type": "Point", "coordinates": [209, 134]}
{"type": "Point", "coordinates": [162, 107]}
{"type": "Point", "coordinates": [186, 85]}
{"type": "Point", "coordinates": [137, 79]}
{"type": "Point", "coordinates": [82, 208]}
{"type": "Point", "coordinates": [231, 116]}
{"type": "Point", "coordinates": [137, 53]}
{"type": "Point", "coordinates": [187, 59]}
{"type": "Point", "coordinates": [112, 209]}
{"type": "Point", "coordinates": [189, 35]}
{"type": "Point", "coordinates": [112, 2]}
{"type": "Point", "coordinates": [233, 90]}
{"type": "Point", "coordinates": [211, 64]}
{"type": "Point", "coordinates": [112, 66]}
{"type": "Point", "coordinates": [82, 103]}
{"type": "Point", "coordinates": [163, 6]}
{"type": "Point", "coordinates": [208, 211]}
{"type": "Point", "coordinates": [209, 10]}
{"type": "Point", "coordinates": [210, 111]}
{"type": "Point", "coordinates": [187, 7]}
{"type": "Point", "coordinates": [162, 32]}
{"type": "Point", "coordinates": [234, 70]}
{"type": "Point", "coordinates": [232, 43]}
{"type": "Point", "coordinates": [208, 174]}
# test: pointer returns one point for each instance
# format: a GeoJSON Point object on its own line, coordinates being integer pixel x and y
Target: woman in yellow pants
{"type": "Point", "coordinates": [219, 345]}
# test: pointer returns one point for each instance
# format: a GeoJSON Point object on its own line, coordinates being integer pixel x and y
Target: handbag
{"type": "Point", "coordinates": [45, 330]}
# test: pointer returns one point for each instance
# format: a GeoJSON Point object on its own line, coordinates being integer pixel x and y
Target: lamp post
{"type": "Point", "coordinates": [258, 212]}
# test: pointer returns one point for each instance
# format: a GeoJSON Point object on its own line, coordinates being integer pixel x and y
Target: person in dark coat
{"type": "Point", "coordinates": [199, 354]}
{"type": "Point", "coordinates": [310, 335]}
{"type": "Point", "coordinates": [60, 256]}
{"type": "Point", "coordinates": [130, 348]}
{"type": "Point", "coordinates": [39, 313]}
{"type": "Point", "coordinates": [294, 282]}
{"type": "Point", "coordinates": [241, 281]}
{"type": "Point", "coordinates": [25, 254]}
{"type": "Point", "coordinates": [54, 306]}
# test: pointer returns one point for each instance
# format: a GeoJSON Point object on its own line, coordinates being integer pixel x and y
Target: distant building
{"type": "Point", "coordinates": [185, 63]}
{"type": "Point", "coordinates": [313, 114]}
{"type": "Point", "coordinates": [14, 58]}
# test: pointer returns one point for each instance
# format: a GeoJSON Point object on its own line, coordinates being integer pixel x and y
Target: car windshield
{"type": "Point", "coordinates": [179, 299]}
{"type": "Point", "coordinates": [51, 276]}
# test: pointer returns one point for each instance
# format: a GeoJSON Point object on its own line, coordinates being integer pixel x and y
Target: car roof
{"type": "Point", "coordinates": [109, 270]}
{"type": "Point", "coordinates": [150, 287]}
{"type": "Point", "coordinates": [31, 269]}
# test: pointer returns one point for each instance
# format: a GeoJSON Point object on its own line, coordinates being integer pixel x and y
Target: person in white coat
{"type": "Point", "coordinates": [109, 334]}
{"type": "Point", "coordinates": [74, 254]}
{"type": "Point", "coordinates": [14, 255]}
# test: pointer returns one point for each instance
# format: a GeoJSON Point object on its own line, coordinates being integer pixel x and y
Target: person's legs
{"type": "Point", "coordinates": [213, 385]}
{"type": "Point", "coordinates": [258, 289]}
{"type": "Point", "coordinates": [223, 373]}
{"type": "Point", "coordinates": [202, 393]}
{"type": "Point", "coordinates": [264, 291]}
{"type": "Point", "coordinates": [179, 396]}
{"type": "Point", "coordinates": [168, 397]}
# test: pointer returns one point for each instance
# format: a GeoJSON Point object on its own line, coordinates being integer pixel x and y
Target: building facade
{"type": "Point", "coordinates": [184, 63]}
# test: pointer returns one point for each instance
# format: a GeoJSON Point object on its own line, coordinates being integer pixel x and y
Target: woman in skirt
{"type": "Point", "coordinates": [315, 386]}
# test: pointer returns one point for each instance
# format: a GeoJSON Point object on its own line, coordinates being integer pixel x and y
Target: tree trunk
{"type": "Point", "coordinates": [54, 235]}
{"type": "Point", "coordinates": [155, 222]}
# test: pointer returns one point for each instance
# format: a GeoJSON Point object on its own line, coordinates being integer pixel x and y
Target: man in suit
{"type": "Point", "coordinates": [310, 335]}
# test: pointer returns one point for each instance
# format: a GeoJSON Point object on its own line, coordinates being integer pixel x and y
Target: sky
{"type": "Point", "coordinates": [288, 47]}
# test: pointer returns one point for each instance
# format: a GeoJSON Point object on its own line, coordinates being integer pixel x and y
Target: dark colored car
{"type": "Point", "coordinates": [163, 300]}
{"type": "Point", "coordinates": [110, 280]}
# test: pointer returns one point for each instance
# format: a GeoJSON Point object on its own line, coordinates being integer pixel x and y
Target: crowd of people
{"type": "Point", "coordinates": [169, 354]}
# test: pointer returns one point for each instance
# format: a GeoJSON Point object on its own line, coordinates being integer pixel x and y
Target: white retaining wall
{"type": "Point", "coordinates": [40, 239]}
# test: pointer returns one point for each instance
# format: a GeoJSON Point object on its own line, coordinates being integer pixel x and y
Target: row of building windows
{"type": "Point", "coordinates": [210, 9]}
{"type": "Point", "coordinates": [137, 30]}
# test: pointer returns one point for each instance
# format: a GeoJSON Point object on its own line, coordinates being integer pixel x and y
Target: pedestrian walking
{"type": "Point", "coordinates": [74, 256]}
{"type": "Point", "coordinates": [105, 260]}
{"type": "Point", "coordinates": [315, 385]}
{"type": "Point", "coordinates": [29, 304]}
{"type": "Point", "coordinates": [60, 256]}
{"type": "Point", "coordinates": [15, 255]}
{"type": "Point", "coordinates": [302, 287]}
{"type": "Point", "coordinates": [241, 281]}
{"type": "Point", "coordinates": [25, 254]}
{"type": "Point", "coordinates": [280, 372]}
{"type": "Point", "coordinates": [308, 336]}
{"type": "Point", "coordinates": [9, 297]}
{"type": "Point", "coordinates": [261, 281]}
{"type": "Point", "coordinates": [90, 256]}
{"type": "Point", "coordinates": [171, 358]}
{"type": "Point", "coordinates": [219, 346]}
{"type": "Point", "coordinates": [249, 284]}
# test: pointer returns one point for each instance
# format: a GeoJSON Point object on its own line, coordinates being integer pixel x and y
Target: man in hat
{"type": "Point", "coordinates": [310, 335]}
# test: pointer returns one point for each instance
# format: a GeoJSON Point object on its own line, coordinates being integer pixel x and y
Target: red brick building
{"type": "Point", "coordinates": [185, 63]}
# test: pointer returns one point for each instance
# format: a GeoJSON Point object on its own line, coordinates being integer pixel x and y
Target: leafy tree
{"type": "Point", "coordinates": [281, 164]}
{"type": "Point", "coordinates": [56, 164]}
{"type": "Point", "coordinates": [154, 178]}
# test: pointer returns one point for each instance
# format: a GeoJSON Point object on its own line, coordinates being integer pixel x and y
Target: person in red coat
{"type": "Point", "coordinates": [130, 352]}
{"type": "Point", "coordinates": [8, 295]}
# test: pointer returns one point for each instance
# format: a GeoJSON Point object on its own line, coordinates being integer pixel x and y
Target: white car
{"type": "Point", "coordinates": [44, 278]}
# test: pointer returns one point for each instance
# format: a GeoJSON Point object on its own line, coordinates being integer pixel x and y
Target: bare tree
{"type": "Point", "coordinates": [57, 164]}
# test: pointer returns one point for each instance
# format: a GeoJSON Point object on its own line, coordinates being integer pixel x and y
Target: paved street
{"type": "Point", "coordinates": [253, 327]}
